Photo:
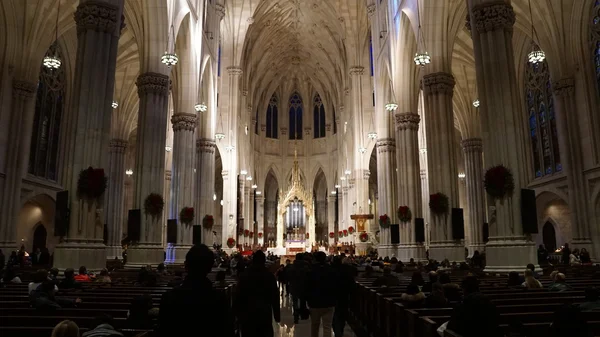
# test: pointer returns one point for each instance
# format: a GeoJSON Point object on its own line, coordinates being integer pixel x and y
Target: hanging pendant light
{"type": "Point", "coordinates": [52, 61]}
{"type": "Point", "coordinates": [168, 58]}
{"type": "Point", "coordinates": [362, 150]}
{"type": "Point", "coordinates": [421, 58]}
{"type": "Point", "coordinates": [372, 135]}
{"type": "Point", "coordinates": [476, 103]}
{"type": "Point", "coordinates": [114, 104]}
{"type": "Point", "coordinates": [391, 107]}
{"type": "Point", "coordinates": [536, 55]}
{"type": "Point", "coordinates": [201, 107]}
{"type": "Point", "coordinates": [219, 136]}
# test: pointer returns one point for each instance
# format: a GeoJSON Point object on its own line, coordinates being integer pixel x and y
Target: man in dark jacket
{"type": "Point", "coordinates": [257, 299]}
{"type": "Point", "coordinates": [195, 304]}
{"type": "Point", "coordinates": [297, 277]}
{"type": "Point", "coordinates": [322, 295]}
{"type": "Point", "coordinates": [345, 287]}
{"type": "Point", "coordinates": [69, 281]}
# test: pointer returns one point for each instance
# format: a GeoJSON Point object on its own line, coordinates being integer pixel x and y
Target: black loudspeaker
{"type": "Point", "coordinates": [61, 214]}
{"type": "Point", "coordinates": [419, 230]}
{"type": "Point", "coordinates": [134, 222]}
{"type": "Point", "coordinates": [395, 234]}
{"type": "Point", "coordinates": [458, 224]}
{"type": "Point", "coordinates": [105, 235]}
{"type": "Point", "coordinates": [486, 232]}
{"type": "Point", "coordinates": [172, 231]}
{"type": "Point", "coordinates": [197, 235]}
{"type": "Point", "coordinates": [528, 212]}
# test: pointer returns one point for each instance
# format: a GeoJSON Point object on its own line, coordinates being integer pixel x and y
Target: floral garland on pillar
{"type": "Point", "coordinates": [350, 230]}
{"type": "Point", "coordinates": [364, 237]}
{"type": "Point", "coordinates": [231, 242]}
{"type": "Point", "coordinates": [384, 221]}
{"type": "Point", "coordinates": [154, 205]}
{"type": "Point", "coordinates": [438, 204]}
{"type": "Point", "coordinates": [404, 213]}
{"type": "Point", "coordinates": [246, 233]}
{"type": "Point", "coordinates": [186, 215]}
{"type": "Point", "coordinates": [260, 235]}
{"type": "Point", "coordinates": [340, 234]}
{"type": "Point", "coordinates": [208, 221]}
{"type": "Point", "coordinates": [91, 184]}
{"type": "Point", "coordinates": [345, 232]}
{"type": "Point", "coordinates": [331, 235]}
{"type": "Point", "coordinates": [499, 182]}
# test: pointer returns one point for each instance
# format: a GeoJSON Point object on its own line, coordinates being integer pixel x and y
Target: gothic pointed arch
{"type": "Point", "coordinates": [295, 106]}
{"type": "Point", "coordinates": [272, 117]}
{"type": "Point", "coordinates": [318, 117]}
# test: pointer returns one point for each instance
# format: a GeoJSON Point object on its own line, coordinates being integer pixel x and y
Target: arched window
{"type": "Point", "coordinates": [295, 117]}
{"type": "Point", "coordinates": [542, 121]}
{"type": "Point", "coordinates": [50, 99]}
{"type": "Point", "coordinates": [272, 118]}
{"type": "Point", "coordinates": [595, 29]}
{"type": "Point", "coordinates": [319, 117]}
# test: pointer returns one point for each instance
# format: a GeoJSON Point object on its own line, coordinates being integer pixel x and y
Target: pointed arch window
{"type": "Point", "coordinates": [49, 103]}
{"type": "Point", "coordinates": [542, 120]}
{"type": "Point", "coordinates": [295, 117]}
{"type": "Point", "coordinates": [272, 120]}
{"type": "Point", "coordinates": [595, 30]}
{"type": "Point", "coordinates": [319, 117]}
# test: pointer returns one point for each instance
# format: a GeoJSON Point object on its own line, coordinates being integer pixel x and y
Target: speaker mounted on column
{"type": "Point", "coordinates": [458, 224]}
{"type": "Point", "coordinates": [134, 223]}
{"type": "Point", "coordinates": [419, 230]}
{"type": "Point", "coordinates": [395, 234]}
{"type": "Point", "coordinates": [196, 235]}
{"type": "Point", "coordinates": [61, 214]}
{"type": "Point", "coordinates": [528, 211]}
{"type": "Point", "coordinates": [172, 231]}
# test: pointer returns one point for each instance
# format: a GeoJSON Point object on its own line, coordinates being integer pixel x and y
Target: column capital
{"type": "Point", "coordinates": [153, 83]}
{"type": "Point", "coordinates": [438, 83]}
{"type": "Point", "coordinates": [205, 145]}
{"type": "Point", "coordinates": [472, 145]}
{"type": "Point", "coordinates": [564, 87]}
{"type": "Point", "coordinates": [234, 71]}
{"type": "Point", "coordinates": [117, 145]}
{"type": "Point", "coordinates": [386, 145]}
{"type": "Point", "coordinates": [220, 9]}
{"type": "Point", "coordinates": [183, 121]}
{"type": "Point", "coordinates": [100, 16]}
{"type": "Point", "coordinates": [371, 9]}
{"type": "Point", "coordinates": [407, 121]}
{"type": "Point", "coordinates": [491, 16]}
{"type": "Point", "coordinates": [23, 89]}
{"type": "Point", "coordinates": [357, 70]}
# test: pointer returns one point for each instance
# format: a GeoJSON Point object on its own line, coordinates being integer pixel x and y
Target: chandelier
{"type": "Point", "coordinates": [362, 150]}
{"type": "Point", "coordinates": [372, 135]}
{"type": "Point", "coordinates": [391, 107]}
{"type": "Point", "coordinates": [347, 172]}
{"type": "Point", "coordinates": [201, 107]}
{"type": "Point", "coordinates": [243, 172]}
{"type": "Point", "coordinates": [536, 55]}
{"type": "Point", "coordinates": [254, 186]}
{"type": "Point", "coordinates": [52, 61]}
{"type": "Point", "coordinates": [168, 58]}
{"type": "Point", "coordinates": [229, 148]}
{"type": "Point", "coordinates": [422, 59]}
{"type": "Point", "coordinates": [219, 136]}
{"type": "Point", "coordinates": [114, 104]}
{"type": "Point", "coordinates": [249, 178]}
{"type": "Point", "coordinates": [476, 103]}
{"type": "Point", "coordinates": [168, 148]}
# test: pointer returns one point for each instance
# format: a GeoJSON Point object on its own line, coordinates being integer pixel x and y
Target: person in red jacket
{"type": "Point", "coordinates": [83, 275]}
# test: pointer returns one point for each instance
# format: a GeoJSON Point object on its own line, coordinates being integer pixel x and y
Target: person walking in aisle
{"type": "Point", "coordinates": [322, 294]}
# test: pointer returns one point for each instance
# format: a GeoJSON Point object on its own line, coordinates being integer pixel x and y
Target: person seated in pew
{"type": "Point", "coordinates": [413, 298]}
{"type": "Point", "coordinates": [417, 278]}
{"type": "Point", "coordinates": [161, 270]}
{"type": "Point", "coordinates": [43, 298]}
{"type": "Point", "coordinates": [451, 290]}
{"type": "Point", "coordinates": [10, 276]}
{"type": "Point", "coordinates": [39, 277]}
{"type": "Point", "coordinates": [69, 281]}
{"type": "Point", "coordinates": [433, 278]}
{"type": "Point", "coordinates": [436, 298]}
{"type": "Point", "coordinates": [368, 273]}
{"type": "Point", "coordinates": [177, 280]}
{"type": "Point", "coordinates": [220, 279]}
{"type": "Point", "coordinates": [387, 279]}
{"type": "Point", "coordinates": [103, 277]}
{"type": "Point", "coordinates": [568, 321]}
{"type": "Point", "coordinates": [53, 275]}
{"type": "Point", "coordinates": [66, 328]}
{"type": "Point", "coordinates": [102, 326]}
{"type": "Point", "coordinates": [514, 280]}
{"type": "Point", "coordinates": [592, 300]}
{"type": "Point", "coordinates": [83, 275]}
{"type": "Point", "coordinates": [559, 284]}
{"type": "Point", "coordinates": [146, 278]}
{"type": "Point", "coordinates": [141, 313]}
{"type": "Point", "coordinates": [574, 258]}
{"type": "Point", "coordinates": [477, 316]}
{"type": "Point", "coordinates": [530, 281]}
{"type": "Point", "coordinates": [584, 256]}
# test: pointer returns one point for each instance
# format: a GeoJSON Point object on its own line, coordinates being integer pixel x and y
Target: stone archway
{"type": "Point", "coordinates": [553, 210]}
{"type": "Point", "coordinates": [549, 236]}
{"type": "Point", "coordinates": [36, 217]}
{"type": "Point", "coordinates": [40, 237]}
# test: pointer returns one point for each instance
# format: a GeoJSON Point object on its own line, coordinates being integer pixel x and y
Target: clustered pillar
{"type": "Point", "coordinates": [473, 150]}
{"type": "Point", "coordinates": [205, 184]}
{"type": "Point", "coordinates": [386, 155]}
{"type": "Point", "coordinates": [116, 197]}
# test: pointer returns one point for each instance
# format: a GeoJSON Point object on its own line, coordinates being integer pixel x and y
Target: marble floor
{"type": "Point", "coordinates": [287, 328]}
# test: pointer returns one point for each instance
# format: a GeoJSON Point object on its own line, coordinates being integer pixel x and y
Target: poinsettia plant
{"type": "Point", "coordinates": [404, 213]}
{"type": "Point", "coordinates": [364, 237]}
{"type": "Point", "coordinates": [340, 233]}
{"type": "Point", "coordinates": [186, 215]}
{"type": "Point", "coordinates": [350, 230]}
{"type": "Point", "coordinates": [208, 221]}
{"type": "Point", "coordinates": [260, 235]}
{"type": "Point", "coordinates": [91, 184]}
{"type": "Point", "coordinates": [331, 235]}
{"type": "Point", "coordinates": [231, 242]}
{"type": "Point", "coordinates": [438, 203]}
{"type": "Point", "coordinates": [251, 235]}
{"type": "Point", "coordinates": [345, 232]}
{"type": "Point", "coordinates": [154, 205]}
{"type": "Point", "coordinates": [246, 233]}
{"type": "Point", "coordinates": [499, 182]}
{"type": "Point", "coordinates": [384, 221]}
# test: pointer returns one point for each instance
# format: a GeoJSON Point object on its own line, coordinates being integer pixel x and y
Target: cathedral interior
{"type": "Point", "coordinates": [299, 123]}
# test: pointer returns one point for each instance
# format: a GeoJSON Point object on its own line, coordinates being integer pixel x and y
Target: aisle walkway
{"type": "Point", "coordinates": [287, 328]}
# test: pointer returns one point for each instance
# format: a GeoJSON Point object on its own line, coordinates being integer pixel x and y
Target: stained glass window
{"type": "Point", "coordinates": [43, 155]}
{"type": "Point", "coordinates": [295, 117]}
{"type": "Point", "coordinates": [319, 117]}
{"type": "Point", "coordinates": [542, 120]}
{"type": "Point", "coordinates": [272, 124]}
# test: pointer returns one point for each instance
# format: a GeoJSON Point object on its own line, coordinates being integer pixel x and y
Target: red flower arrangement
{"type": "Point", "coordinates": [231, 242]}
{"type": "Point", "coordinates": [350, 229]}
{"type": "Point", "coordinates": [499, 182]}
{"type": "Point", "coordinates": [345, 232]}
{"type": "Point", "coordinates": [251, 235]}
{"type": "Point", "coordinates": [246, 232]}
{"type": "Point", "coordinates": [260, 234]}
{"type": "Point", "coordinates": [404, 213]}
{"type": "Point", "coordinates": [307, 235]}
{"type": "Point", "coordinates": [208, 221]}
{"type": "Point", "coordinates": [91, 184]}
{"type": "Point", "coordinates": [364, 237]}
{"type": "Point", "coordinates": [438, 203]}
{"type": "Point", "coordinates": [186, 215]}
{"type": "Point", "coordinates": [340, 233]}
{"type": "Point", "coordinates": [154, 205]}
{"type": "Point", "coordinates": [384, 221]}
{"type": "Point", "coordinates": [331, 235]}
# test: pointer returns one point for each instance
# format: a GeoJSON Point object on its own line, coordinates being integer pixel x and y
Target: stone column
{"type": "Point", "coordinates": [17, 159]}
{"type": "Point", "coordinates": [409, 182]}
{"type": "Point", "coordinates": [572, 162]}
{"type": "Point", "coordinates": [205, 184]}
{"type": "Point", "coordinates": [153, 90]}
{"type": "Point", "coordinates": [443, 175]}
{"type": "Point", "coordinates": [331, 218]}
{"type": "Point", "coordinates": [116, 197]}
{"type": "Point", "coordinates": [184, 125]}
{"type": "Point", "coordinates": [260, 219]}
{"type": "Point", "coordinates": [491, 24]}
{"type": "Point", "coordinates": [386, 155]}
{"type": "Point", "coordinates": [98, 29]}
{"type": "Point", "coordinates": [473, 150]}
